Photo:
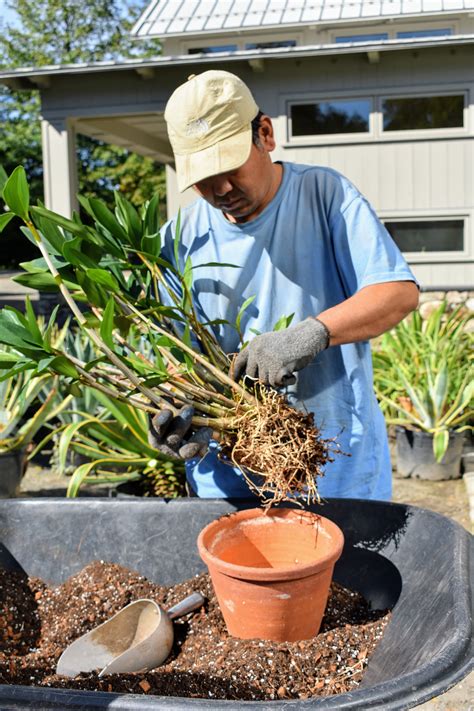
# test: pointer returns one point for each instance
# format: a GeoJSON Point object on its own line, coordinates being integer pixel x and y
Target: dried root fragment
{"type": "Point", "coordinates": [282, 446]}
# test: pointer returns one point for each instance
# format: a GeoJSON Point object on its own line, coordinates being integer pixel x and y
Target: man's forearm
{"type": "Point", "coordinates": [370, 312]}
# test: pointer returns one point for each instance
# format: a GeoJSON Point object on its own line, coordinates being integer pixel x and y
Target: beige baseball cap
{"type": "Point", "coordinates": [209, 125]}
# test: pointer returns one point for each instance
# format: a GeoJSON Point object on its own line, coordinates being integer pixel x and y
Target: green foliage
{"type": "Point", "coordinates": [144, 332]}
{"type": "Point", "coordinates": [423, 374]}
{"type": "Point", "coordinates": [48, 32]}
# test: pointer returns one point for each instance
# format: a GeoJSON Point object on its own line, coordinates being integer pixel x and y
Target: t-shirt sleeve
{"type": "Point", "coordinates": [364, 251]}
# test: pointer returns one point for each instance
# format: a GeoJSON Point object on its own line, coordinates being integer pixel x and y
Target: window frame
{"type": "Point", "coordinates": [322, 138]}
{"type": "Point", "coordinates": [376, 134]}
{"type": "Point", "coordinates": [422, 132]}
{"type": "Point", "coordinates": [435, 257]}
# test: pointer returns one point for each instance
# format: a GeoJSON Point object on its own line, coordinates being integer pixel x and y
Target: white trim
{"type": "Point", "coordinates": [60, 166]}
{"type": "Point", "coordinates": [376, 134]}
{"type": "Point", "coordinates": [392, 28]}
{"type": "Point", "coordinates": [434, 215]}
{"type": "Point", "coordinates": [241, 41]}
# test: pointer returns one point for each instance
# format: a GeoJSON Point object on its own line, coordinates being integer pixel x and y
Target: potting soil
{"type": "Point", "coordinates": [37, 622]}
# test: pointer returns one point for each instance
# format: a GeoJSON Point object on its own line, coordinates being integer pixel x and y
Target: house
{"type": "Point", "coordinates": [382, 91]}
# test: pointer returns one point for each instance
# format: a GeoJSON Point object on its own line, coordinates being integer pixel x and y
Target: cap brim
{"type": "Point", "coordinates": [228, 154]}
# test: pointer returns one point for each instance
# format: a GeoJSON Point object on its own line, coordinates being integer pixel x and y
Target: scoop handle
{"type": "Point", "coordinates": [190, 603]}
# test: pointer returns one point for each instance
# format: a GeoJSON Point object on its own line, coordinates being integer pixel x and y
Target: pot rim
{"type": "Point", "coordinates": [296, 571]}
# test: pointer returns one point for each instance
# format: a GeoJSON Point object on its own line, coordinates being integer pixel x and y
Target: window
{"type": "Point", "coordinates": [211, 50]}
{"type": "Point", "coordinates": [363, 38]}
{"type": "Point", "coordinates": [423, 112]}
{"type": "Point", "coordinates": [428, 235]}
{"type": "Point", "coordinates": [441, 32]}
{"type": "Point", "coordinates": [328, 117]}
{"type": "Point", "coordinates": [270, 45]}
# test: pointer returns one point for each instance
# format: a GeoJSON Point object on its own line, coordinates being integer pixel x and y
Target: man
{"type": "Point", "coordinates": [307, 245]}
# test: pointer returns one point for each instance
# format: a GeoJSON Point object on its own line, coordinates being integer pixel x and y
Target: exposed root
{"type": "Point", "coordinates": [282, 447]}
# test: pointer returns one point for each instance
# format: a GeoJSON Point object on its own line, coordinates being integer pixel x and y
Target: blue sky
{"type": "Point", "coordinates": [5, 14]}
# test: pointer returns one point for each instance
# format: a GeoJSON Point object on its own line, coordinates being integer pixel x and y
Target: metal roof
{"type": "Point", "coordinates": [164, 18]}
{"type": "Point", "coordinates": [143, 66]}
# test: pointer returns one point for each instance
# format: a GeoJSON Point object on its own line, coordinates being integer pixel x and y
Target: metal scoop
{"type": "Point", "coordinates": [138, 638]}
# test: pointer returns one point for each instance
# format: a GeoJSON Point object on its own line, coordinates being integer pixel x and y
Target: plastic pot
{"type": "Point", "coordinates": [412, 560]}
{"type": "Point", "coordinates": [12, 470]}
{"type": "Point", "coordinates": [415, 456]}
{"type": "Point", "coordinates": [271, 571]}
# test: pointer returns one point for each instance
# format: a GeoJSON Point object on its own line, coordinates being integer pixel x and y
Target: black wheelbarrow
{"type": "Point", "coordinates": [410, 559]}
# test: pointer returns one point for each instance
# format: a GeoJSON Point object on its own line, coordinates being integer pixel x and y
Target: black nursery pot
{"type": "Point", "coordinates": [12, 469]}
{"type": "Point", "coordinates": [410, 559]}
{"type": "Point", "coordinates": [415, 456]}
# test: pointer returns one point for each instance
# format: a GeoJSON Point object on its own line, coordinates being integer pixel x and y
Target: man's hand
{"type": "Point", "coordinates": [273, 357]}
{"type": "Point", "coordinates": [170, 434]}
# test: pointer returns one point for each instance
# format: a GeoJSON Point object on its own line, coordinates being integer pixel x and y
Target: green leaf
{"type": "Point", "coordinates": [52, 235]}
{"type": "Point", "coordinates": [39, 265]}
{"type": "Point", "coordinates": [104, 278]}
{"type": "Point", "coordinates": [440, 391]}
{"type": "Point", "coordinates": [242, 309]}
{"type": "Point", "coordinates": [16, 193]}
{"type": "Point", "coordinates": [107, 324]}
{"type": "Point", "coordinates": [106, 218]}
{"type": "Point", "coordinates": [3, 179]}
{"type": "Point", "coordinates": [75, 254]}
{"type": "Point", "coordinates": [5, 219]}
{"type": "Point", "coordinates": [283, 323]}
{"type": "Point", "coordinates": [94, 292]}
{"type": "Point", "coordinates": [63, 366]}
{"type": "Point", "coordinates": [64, 222]}
{"type": "Point", "coordinates": [79, 475]}
{"type": "Point", "coordinates": [43, 281]}
{"type": "Point", "coordinates": [32, 322]}
{"type": "Point", "coordinates": [151, 244]}
{"type": "Point", "coordinates": [440, 444]}
{"type": "Point", "coordinates": [188, 274]}
{"type": "Point", "coordinates": [177, 240]}
{"type": "Point", "coordinates": [17, 336]}
{"type": "Point", "coordinates": [49, 328]}
{"type": "Point", "coordinates": [128, 218]}
{"type": "Point", "coordinates": [152, 216]}
{"type": "Point", "coordinates": [84, 203]}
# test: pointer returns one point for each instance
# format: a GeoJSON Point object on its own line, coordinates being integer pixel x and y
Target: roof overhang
{"type": "Point", "coordinates": [28, 78]}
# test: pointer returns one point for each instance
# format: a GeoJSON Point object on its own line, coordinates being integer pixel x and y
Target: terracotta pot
{"type": "Point", "coordinates": [271, 571]}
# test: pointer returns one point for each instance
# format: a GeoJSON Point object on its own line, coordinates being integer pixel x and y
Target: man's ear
{"type": "Point", "coordinates": [266, 134]}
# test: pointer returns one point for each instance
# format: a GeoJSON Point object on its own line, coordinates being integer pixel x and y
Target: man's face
{"type": "Point", "coordinates": [243, 193]}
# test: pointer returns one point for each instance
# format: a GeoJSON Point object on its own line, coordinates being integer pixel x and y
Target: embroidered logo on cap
{"type": "Point", "coordinates": [197, 128]}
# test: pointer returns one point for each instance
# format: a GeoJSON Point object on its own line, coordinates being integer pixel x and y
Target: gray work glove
{"type": "Point", "coordinates": [172, 434]}
{"type": "Point", "coordinates": [273, 357]}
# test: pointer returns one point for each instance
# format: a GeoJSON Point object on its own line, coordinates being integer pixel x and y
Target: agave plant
{"type": "Point", "coordinates": [112, 275]}
{"type": "Point", "coordinates": [114, 443]}
{"type": "Point", "coordinates": [423, 374]}
{"type": "Point", "coordinates": [22, 413]}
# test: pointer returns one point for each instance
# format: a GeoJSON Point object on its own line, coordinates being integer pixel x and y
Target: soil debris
{"type": "Point", "coordinates": [37, 622]}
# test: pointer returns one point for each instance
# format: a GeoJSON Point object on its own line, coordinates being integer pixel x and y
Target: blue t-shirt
{"type": "Point", "coordinates": [317, 243]}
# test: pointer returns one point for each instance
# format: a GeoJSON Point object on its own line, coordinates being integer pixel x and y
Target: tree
{"type": "Point", "coordinates": [61, 32]}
